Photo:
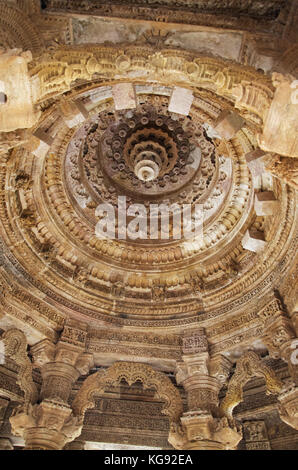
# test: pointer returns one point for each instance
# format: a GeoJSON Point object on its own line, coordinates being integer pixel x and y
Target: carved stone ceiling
{"type": "Point", "coordinates": [100, 159]}
{"type": "Point", "coordinates": [253, 8]}
{"type": "Point", "coordinates": [148, 336]}
{"type": "Point", "coordinates": [48, 202]}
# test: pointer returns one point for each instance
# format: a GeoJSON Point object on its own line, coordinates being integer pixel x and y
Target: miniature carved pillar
{"type": "Point", "coordinates": [281, 341]}
{"type": "Point", "coordinates": [50, 425]}
{"type": "Point", "coordinates": [202, 379]}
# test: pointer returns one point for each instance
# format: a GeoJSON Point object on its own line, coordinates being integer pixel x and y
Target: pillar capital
{"type": "Point", "coordinates": [46, 426]}
{"type": "Point", "coordinates": [220, 367]}
{"type": "Point", "coordinates": [280, 335]}
{"type": "Point", "coordinates": [51, 423]}
{"type": "Point", "coordinates": [204, 432]}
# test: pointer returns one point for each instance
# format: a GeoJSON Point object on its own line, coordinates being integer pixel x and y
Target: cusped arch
{"type": "Point", "coordinates": [131, 372]}
{"type": "Point", "coordinates": [248, 366]}
{"type": "Point", "coordinates": [15, 347]}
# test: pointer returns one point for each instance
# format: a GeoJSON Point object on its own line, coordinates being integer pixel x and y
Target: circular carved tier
{"type": "Point", "coordinates": [148, 281]}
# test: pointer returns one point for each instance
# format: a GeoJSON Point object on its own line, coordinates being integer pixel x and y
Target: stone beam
{"type": "Point", "coordinates": [255, 162]}
{"type": "Point", "coordinates": [254, 240]}
{"type": "Point", "coordinates": [228, 124]}
{"type": "Point", "coordinates": [73, 113]}
{"type": "Point", "coordinates": [40, 143]}
{"type": "Point", "coordinates": [124, 96]}
{"type": "Point", "coordinates": [265, 203]}
{"type": "Point", "coordinates": [181, 101]}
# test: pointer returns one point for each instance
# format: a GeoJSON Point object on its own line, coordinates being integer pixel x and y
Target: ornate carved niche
{"type": "Point", "coordinates": [255, 435]}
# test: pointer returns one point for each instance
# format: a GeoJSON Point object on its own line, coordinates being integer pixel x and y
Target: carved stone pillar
{"type": "Point", "coordinates": [51, 424]}
{"type": "Point", "coordinates": [279, 335]}
{"type": "Point", "coordinates": [47, 426]}
{"type": "Point", "coordinates": [280, 339]}
{"type": "Point", "coordinates": [202, 379]}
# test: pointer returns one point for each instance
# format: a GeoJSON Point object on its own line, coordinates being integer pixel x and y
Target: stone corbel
{"type": "Point", "coordinates": [220, 367]}
{"type": "Point", "coordinates": [47, 426]}
{"type": "Point", "coordinates": [279, 335]}
{"type": "Point", "coordinates": [288, 405]}
{"type": "Point", "coordinates": [40, 143]}
{"type": "Point", "coordinates": [228, 124]}
{"type": "Point", "coordinates": [43, 352]}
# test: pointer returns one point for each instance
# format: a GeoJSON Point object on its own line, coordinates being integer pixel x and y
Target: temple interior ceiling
{"type": "Point", "coordinates": [150, 333]}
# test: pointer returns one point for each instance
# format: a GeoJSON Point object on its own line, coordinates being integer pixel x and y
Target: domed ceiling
{"type": "Point", "coordinates": [150, 155]}
{"type": "Point", "coordinates": [148, 224]}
